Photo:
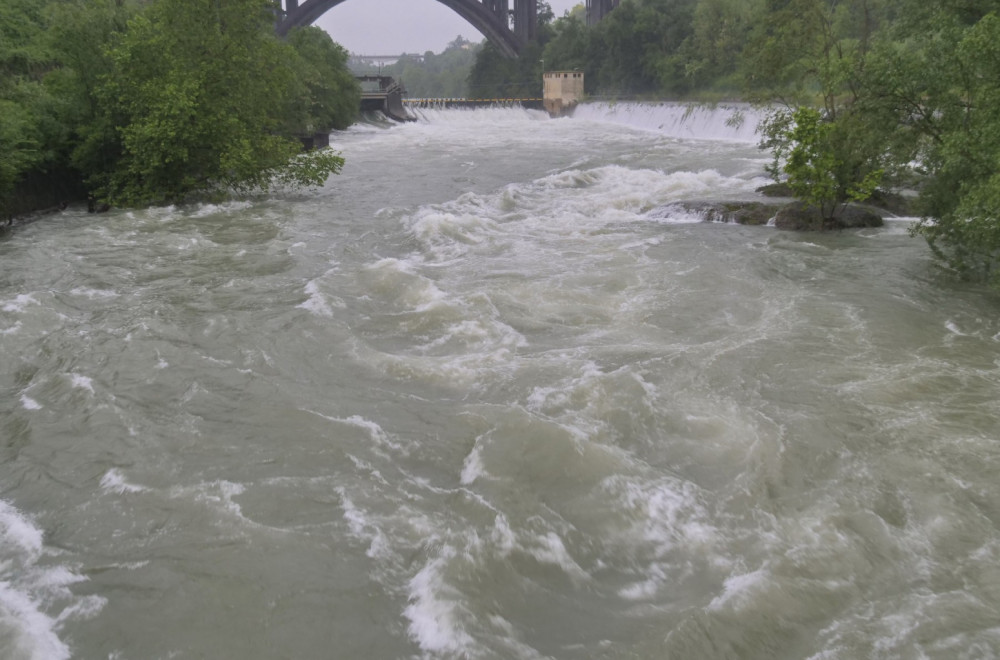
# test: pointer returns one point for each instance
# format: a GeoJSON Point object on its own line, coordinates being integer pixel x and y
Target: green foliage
{"type": "Point", "coordinates": [311, 168]}
{"type": "Point", "coordinates": [720, 32]}
{"type": "Point", "coordinates": [24, 59]}
{"type": "Point", "coordinates": [18, 150]}
{"type": "Point", "coordinates": [811, 51]}
{"type": "Point", "coordinates": [331, 95]}
{"type": "Point", "coordinates": [496, 76]}
{"type": "Point", "coordinates": [635, 50]}
{"type": "Point", "coordinates": [199, 90]}
{"type": "Point", "coordinates": [570, 49]}
{"type": "Point", "coordinates": [157, 101]}
{"type": "Point", "coordinates": [955, 111]}
{"type": "Point", "coordinates": [79, 34]}
{"type": "Point", "coordinates": [808, 151]}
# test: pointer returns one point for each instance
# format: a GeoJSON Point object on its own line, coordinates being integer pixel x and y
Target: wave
{"type": "Point", "coordinates": [30, 589]}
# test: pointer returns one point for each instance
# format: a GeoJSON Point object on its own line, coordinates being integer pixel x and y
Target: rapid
{"type": "Point", "coordinates": [488, 394]}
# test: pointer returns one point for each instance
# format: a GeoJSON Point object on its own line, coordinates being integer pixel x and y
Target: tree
{"type": "Point", "coordinates": [199, 89]}
{"type": "Point", "coordinates": [636, 49]}
{"type": "Point", "coordinates": [435, 75]}
{"type": "Point", "coordinates": [570, 47]}
{"type": "Point", "coordinates": [720, 31]}
{"type": "Point", "coordinates": [23, 62]}
{"type": "Point", "coordinates": [331, 96]}
{"type": "Point", "coordinates": [808, 151]}
{"type": "Point", "coordinates": [495, 76]}
{"type": "Point", "coordinates": [941, 83]}
{"type": "Point", "coordinates": [812, 56]}
{"type": "Point", "coordinates": [79, 34]}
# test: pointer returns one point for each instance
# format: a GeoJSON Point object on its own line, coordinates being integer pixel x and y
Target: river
{"type": "Point", "coordinates": [486, 394]}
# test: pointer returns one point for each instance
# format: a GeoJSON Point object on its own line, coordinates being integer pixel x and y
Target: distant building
{"type": "Point", "coordinates": [598, 9]}
{"type": "Point", "coordinates": [563, 90]}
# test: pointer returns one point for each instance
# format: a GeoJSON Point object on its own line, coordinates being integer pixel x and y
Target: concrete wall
{"type": "Point", "coordinates": [562, 91]}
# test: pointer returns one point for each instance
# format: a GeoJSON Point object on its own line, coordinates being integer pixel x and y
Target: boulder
{"type": "Point", "coordinates": [741, 213]}
{"type": "Point", "coordinates": [893, 202]}
{"type": "Point", "coordinates": [780, 189]}
{"type": "Point", "coordinates": [799, 216]}
{"type": "Point", "coordinates": [795, 216]}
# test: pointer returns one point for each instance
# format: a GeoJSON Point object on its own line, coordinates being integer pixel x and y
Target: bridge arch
{"type": "Point", "coordinates": [490, 17]}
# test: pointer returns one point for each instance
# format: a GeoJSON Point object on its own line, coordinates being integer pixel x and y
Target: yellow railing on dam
{"type": "Point", "coordinates": [477, 103]}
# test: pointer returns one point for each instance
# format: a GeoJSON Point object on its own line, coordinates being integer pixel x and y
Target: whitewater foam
{"type": "Point", "coordinates": [29, 403]}
{"type": "Point", "coordinates": [30, 591]}
{"type": "Point", "coordinates": [433, 611]}
{"type": "Point", "coordinates": [82, 382]}
{"type": "Point", "coordinates": [734, 123]}
{"type": "Point", "coordinates": [18, 304]}
{"type": "Point", "coordinates": [94, 294]}
{"type": "Point", "coordinates": [114, 481]}
{"type": "Point", "coordinates": [316, 303]}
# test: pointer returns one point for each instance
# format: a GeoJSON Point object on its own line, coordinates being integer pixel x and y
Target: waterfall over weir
{"type": "Point", "coordinates": [733, 122]}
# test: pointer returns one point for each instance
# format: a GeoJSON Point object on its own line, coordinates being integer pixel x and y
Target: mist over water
{"type": "Point", "coordinates": [485, 395]}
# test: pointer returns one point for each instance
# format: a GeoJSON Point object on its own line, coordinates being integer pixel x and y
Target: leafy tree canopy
{"type": "Point", "coordinates": [199, 90]}
{"type": "Point", "coordinates": [154, 101]}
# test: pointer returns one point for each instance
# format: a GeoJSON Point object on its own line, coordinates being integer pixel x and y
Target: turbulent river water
{"type": "Point", "coordinates": [488, 395]}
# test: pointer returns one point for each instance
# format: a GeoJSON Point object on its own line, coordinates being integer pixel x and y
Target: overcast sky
{"type": "Point", "coordinates": [391, 27]}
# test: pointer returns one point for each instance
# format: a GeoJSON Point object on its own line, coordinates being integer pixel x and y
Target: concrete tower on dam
{"type": "Point", "coordinates": [563, 90]}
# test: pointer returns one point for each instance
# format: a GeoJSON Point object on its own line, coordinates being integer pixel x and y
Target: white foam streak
{"type": "Point", "coordinates": [82, 382]}
{"type": "Point", "coordinates": [472, 467]}
{"type": "Point", "coordinates": [316, 303]}
{"type": "Point", "coordinates": [319, 303]}
{"type": "Point", "coordinates": [114, 481]}
{"type": "Point", "coordinates": [18, 304]}
{"type": "Point", "coordinates": [17, 531]}
{"type": "Point", "coordinates": [363, 530]}
{"type": "Point", "coordinates": [737, 590]}
{"type": "Point", "coordinates": [29, 403]}
{"type": "Point", "coordinates": [549, 549]}
{"type": "Point", "coordinates": [94, 294]}
{"type": "Point", "coordinates": [33, 633]}
{"type": "Point", "coordinates": [433, 616]}
{"type": "Point", "coordinates": [28, 591]}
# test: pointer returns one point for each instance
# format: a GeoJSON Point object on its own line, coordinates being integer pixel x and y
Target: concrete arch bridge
{"type": "Point", "coordinates": [508, 24]}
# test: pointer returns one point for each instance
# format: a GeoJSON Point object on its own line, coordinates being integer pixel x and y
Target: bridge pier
{"type": "Point", "coordinates": [526, 19]}
{"type": "Point", "coordinates": [598, 9]}
{"type": "Point", "coordinates": [499, 8]}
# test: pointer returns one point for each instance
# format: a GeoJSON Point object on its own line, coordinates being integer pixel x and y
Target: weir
{"type": "Point", "coordinates": [444, 104]}
{"type": "Point", "coordinates": [735, 122]}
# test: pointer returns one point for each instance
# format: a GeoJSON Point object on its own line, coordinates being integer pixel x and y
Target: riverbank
{"type": "Point", "coordinates": [40, 194]}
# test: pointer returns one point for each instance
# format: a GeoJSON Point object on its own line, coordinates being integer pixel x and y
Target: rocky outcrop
{"type": "Point", "coordinates": [798, 216]}
{"type": "Point", "coordinates": [794, 216]}
{"type": "Point", "coordinates": [740, 213]}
